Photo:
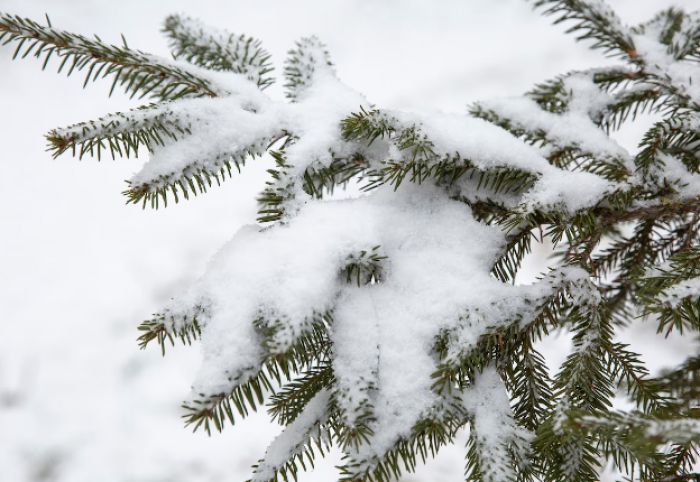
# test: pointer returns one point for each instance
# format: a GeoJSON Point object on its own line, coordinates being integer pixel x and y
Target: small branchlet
{"type": "Point", "coordinates": [594, 21]}
{"type": "Point", "coordinates": [169, 326]}
{"type": "Point", "coordinates": [196, 178]}
{"type": "Point", "coordinates": [308, 59]}
{"type": "Point", "coordinates": [250, 388]}
{"type": "Point", "coordinates": [137, 73]}
{"type": "Point", "coordinates": [364, 268]}
{"type": "Point", "coordinates": [218, 50]}
{"type": "Point", "coordinates": [426, 438]}
{"type": "Point", "coordinates": [120, 134]}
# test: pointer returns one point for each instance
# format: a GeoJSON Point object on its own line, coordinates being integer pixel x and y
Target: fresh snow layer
{"type": "Point", "coordinates": [437, 277]}
{"type": "Point", "coordinates": [119, 432]}
{"type": "Point", "coordinates": [678, 292]}
{"type": "Point", "coordinates": [572, 128]}
{"type": "Point", "coordinates": [493, 429]}
{"type": "Point", "coordinates": [295, 436]}
{"type": "Point", "coordinates": [266, 287]}
{"type": "Point", "coordinates": [246, 121]}
{"type": "Point", "coordinates": [488, 146]}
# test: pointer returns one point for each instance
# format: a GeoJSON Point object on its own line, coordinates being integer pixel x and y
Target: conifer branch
{"type": "Point", "coordinates": [419, 162]}
{"type": "Point", "coordinates": [298, 443]}
{"type": "Point", "coordinates": [583, 379]}
{"type": "Point", "coordinates": [630, 103]}
{"type": "Point", "coordinates": [316, 181]}
{"type": "Point", "coordinates": [137, 73]}
{"type": "Point", "coordinates": [218, 50]}
{"type": "Point", "coordinates": [364, 268]}
{"type": "Point", "coordinates": [683, 385]}
{"type": "Point", "coordinates": [279, 188]}
{"type": "Point", "coordinates": [508, 264]}
{"type": "Point", "coordinates": [568, 156]}
{"type": "Point", "coordinates": [671, 135]}
{"type": "Point", "coordinates": [308, 59]}
{"type": "Point", "coordinates": [435, 188]}
{"type": "Point", "coordinates": [426, 438]}
{"type": "Point", "coordinates": [248, 391]}
{"type": "Point", "coordinates": [286, 404]}
{"type": "Point", "coordinates": [592, 20]}
{"type": "Point", "coordinates": [627, 367]}
{"type": "Point", "coordinates": [196, 178]}
{"type": "Point", "coordinates": [677, 30]}
{"type": "Point", "coordinates": [168, 326]}
{"type": "Point", "coordinates": [121, 134]}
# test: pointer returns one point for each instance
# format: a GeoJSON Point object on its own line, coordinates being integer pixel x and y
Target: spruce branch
{"type": "Point", "coordinates": [214, 410]}
{"type": "Point", "coordinates": [498, 448]}
{"type": "Point", "coordinates": [671, 135]}
{"type": "Point", "coordinates": [121, 134]}
{"type": "Point", "coordinates": [137, 73]}
{"type": "Point", "coordinates": [508, 264]}
{"type": "Point", "coordinates": [571, 156]}
{"type": "Point", "coordinates": [683, 384]}
{"type": "Point", "coordinates": [425, 440]}
{"type": "Point", "coordinates": [288, 402]}
{"type": "Point", "coordinates": [627, 367]}
{"type": "Point", "coordinates": [278, 190]}
{"type": "Point", "coordinates": [654, 212]}
{"type": "Point", "coordinates": [296, 446]}
{"type": "Point", "coordinates": [592, 20]}
{"type": "Point", "coordinates": [419, 162]}
{"type": "Point", "coordinates": [630, 103]}
{"type": "Point", "coordinates": [196, 177]}
{"type": "Point", "coordinates": [251, 386]}
{"type": "Point", "coordinates": [528, 380]}
{"type": "Point", "coordinates": [677, 30]}
{"type": "Point", "coordinates": [364, 268]}
{"type": "Point", "coordinates": [626, 231]}
{"type": "Point", "coordinates": [639, 433]}
{"type": "Point", "coordinates": [321, 180]}
{"type": "Point", "coordinates": [583, 379]}
{"type": "Point", "coordinates": [168, 326]}
{"type": "Point", "coordinates": [308, 59]}
{"type": "Point", "coordinates": [218, 50]}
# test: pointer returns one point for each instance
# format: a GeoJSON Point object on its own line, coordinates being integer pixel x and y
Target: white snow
{"type": "Point", "coordinates": [493, 427]}
{"type": "Point", "coordinates": [300, 432]}
{"type": "Point", "coordinates": [687, 183]}
{"type": "Point", "coordinates": [437, 277]}
{"type": "Point", "coordinates": [675, 294]}
{"type": "Point", "coordinates": [127, 425]}
{"type": "Point", "coordinates": [572, 128]}
{"type": "Point", "coordinates": [489, 146]}
{"type": "Point", "coordinates": [239, 51]}
{"type": "Point", "coordinates": [247, 121]}
{"type": "Point", "coordinates": [682, 74]}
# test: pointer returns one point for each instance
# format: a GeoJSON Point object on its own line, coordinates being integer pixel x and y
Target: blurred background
{"type": "Point", "coordinates": [79, 269]}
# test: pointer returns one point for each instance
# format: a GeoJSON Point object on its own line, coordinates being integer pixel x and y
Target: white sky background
{"type": "Point", "coordinates": [79, 269]}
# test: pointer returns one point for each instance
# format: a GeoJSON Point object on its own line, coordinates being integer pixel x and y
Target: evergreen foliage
{"type": "Point", "coordinates": [320, 334]}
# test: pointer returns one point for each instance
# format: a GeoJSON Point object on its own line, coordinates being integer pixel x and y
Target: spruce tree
{"type": "Point", "coordinates": [383, 323]}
